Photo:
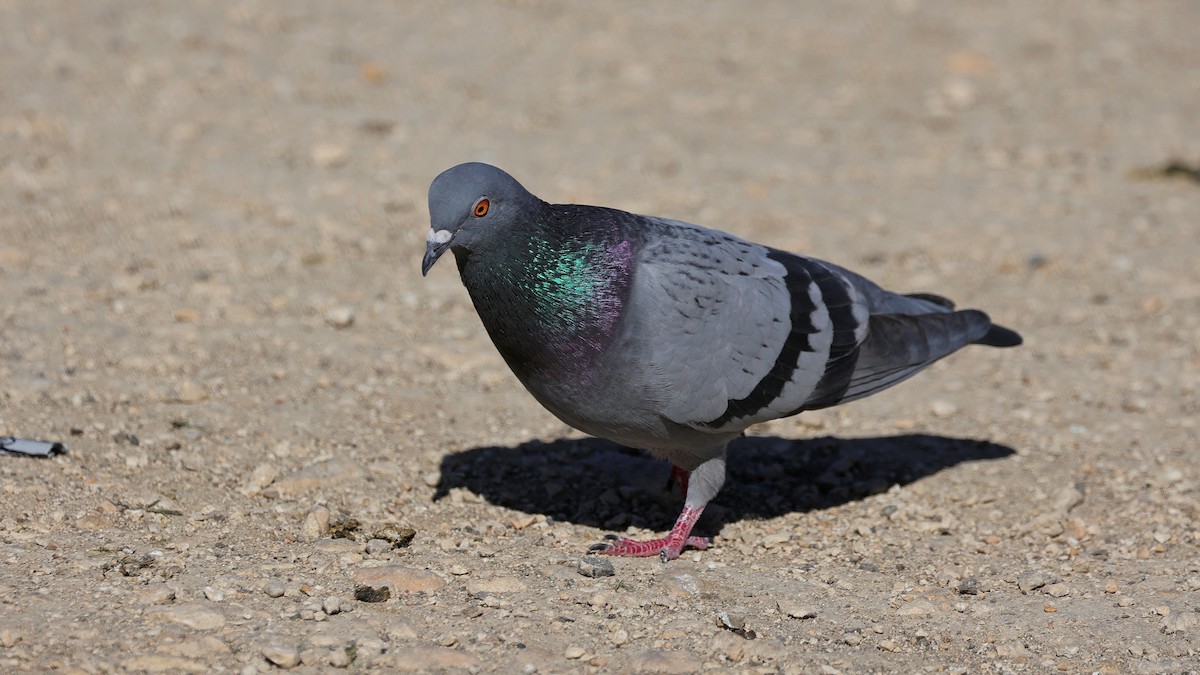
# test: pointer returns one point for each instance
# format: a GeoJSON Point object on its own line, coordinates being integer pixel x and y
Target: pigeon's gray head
{"type": "Point", "coordinates": [470, 204]}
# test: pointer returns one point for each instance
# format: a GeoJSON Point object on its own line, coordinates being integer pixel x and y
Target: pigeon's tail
{"type": "Point", "coordinates": [999, 336]}
{"type": "Point", "coordinates": [898, 346]}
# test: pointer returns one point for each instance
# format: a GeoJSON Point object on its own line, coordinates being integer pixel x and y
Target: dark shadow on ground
{"type": "Point", "coordinates": [601, 484]}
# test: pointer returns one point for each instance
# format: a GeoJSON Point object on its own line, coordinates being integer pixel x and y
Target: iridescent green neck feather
{"type": "Point", "coordinates": [551, 299]}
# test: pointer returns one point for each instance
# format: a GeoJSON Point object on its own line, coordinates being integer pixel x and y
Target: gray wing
{"type": "Point", "coordinates": [735, 333]}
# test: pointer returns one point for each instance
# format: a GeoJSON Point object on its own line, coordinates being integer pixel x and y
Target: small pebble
{"type": "Point", "coordinates": [316, 524]}
{"type": "Point", "coordinates": [398, 537]}
{"type": "Point", "coordinates": [275, 588]}
{"type": "Point", "coordinates": [8, 638]}
{"type": "Point", "coordinates": [340, 317]}
{"type": "Point", "coordinates": [619, 637]}
{"type": "Point", "coordinates": [524, 521]}
{"type": "Point", "coordinates": [730, 621]}
{"type": "Point", "coordinates": [157, 594]}
{"type": "Point", "coordinates": [459, 570]}
{"type": "Point", "coordinates": [942, 408]}
{"type": "Point", "coordinates": [190, 391]}
{"type": "Point", "coordinates": [329, 155]}
{"type": "Point", "coordinates": [213, 594]}
{"type": "Point", "coordinates": [574, 653]}
{"type": "Point", "coordinates": [378, 546]}
{"type": "Point", "coordinates": [796, 611]}
{"type": "Point", "coordinates": [969, 586]}
{"type": "Point", "coordinates": [1031, 581]}
{"type": "Point", "coordinates": [681, 585]}
{"type": "Point", "coordinates": [852, 639]}
{"type": "Point", "coordinates": [339, 658]}
{"type": "Point", "coordinates": [284, 657]}
{"type": "Point", "coordinates": [1059, 590]}
{"type": "Point", "coordinates": [1180, 621]}
{"type": "Point", "coordinates": [332, 605]}
{"type": "Point", "coordinates": [595, 566]}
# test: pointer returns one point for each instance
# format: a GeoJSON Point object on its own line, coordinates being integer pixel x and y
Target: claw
{"type": "Point", "coordinates": [612, 537]}
{"type": "Point", "coordinates": [598, 548]}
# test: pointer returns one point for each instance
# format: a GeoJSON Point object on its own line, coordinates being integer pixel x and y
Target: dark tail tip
{"type": "Point", "coordinates": [999, 336]}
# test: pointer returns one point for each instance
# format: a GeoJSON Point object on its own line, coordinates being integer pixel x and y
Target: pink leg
{"type": "Point", "coordinates": [667, 548]}
{"type": "Point", "coordinates": [678, 477]}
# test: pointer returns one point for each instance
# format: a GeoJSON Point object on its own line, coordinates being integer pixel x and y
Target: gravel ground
{"type": "Point", "coordinates": [211, 221]}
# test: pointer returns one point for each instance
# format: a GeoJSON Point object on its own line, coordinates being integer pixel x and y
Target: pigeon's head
{"type": "Point", "coordinates": [470, 204]}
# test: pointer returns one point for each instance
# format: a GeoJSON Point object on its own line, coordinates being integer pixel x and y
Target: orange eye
{"type": "Point", "coordinates": [481, 207]}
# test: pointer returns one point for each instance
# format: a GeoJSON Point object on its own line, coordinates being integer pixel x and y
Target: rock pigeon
{"type": "Point", "coordinates": [674, 338]}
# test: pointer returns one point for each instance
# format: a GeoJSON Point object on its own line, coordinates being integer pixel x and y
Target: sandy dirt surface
{"type": "Point", "coordinates": [211, 221]}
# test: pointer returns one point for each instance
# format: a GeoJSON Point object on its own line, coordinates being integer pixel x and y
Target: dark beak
{"type": "Point", "coordinates": [433, 251]}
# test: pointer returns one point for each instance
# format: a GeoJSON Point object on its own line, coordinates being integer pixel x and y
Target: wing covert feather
{"type": "Point", "coordinates": [714, 312]}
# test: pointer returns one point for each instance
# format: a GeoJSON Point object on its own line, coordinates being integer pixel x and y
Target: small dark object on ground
{"type": "Point", "coordinates": [1175, 168]}
{"type": "Point", "coordinates": [595, 567]}
{"type": "Point", "coordinates": [372, 594]}
{"type": "Point", "coordinates": [736, 625]}
{"type": "Point", "coordinates": [399, 537]}
{"type": "Point", "coordinates": [344, 527]}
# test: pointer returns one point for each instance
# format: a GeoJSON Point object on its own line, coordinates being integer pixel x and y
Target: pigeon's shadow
{"type": "Point", "coordinates": [601, 484]}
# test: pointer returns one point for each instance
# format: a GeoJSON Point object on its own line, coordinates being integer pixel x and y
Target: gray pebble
{"type": "Point", "coordinates": [796, 611]}
{"type": "Point", "coordinates": [1031, 581]}
{"type": "Point", "coordinates": [340, 317]}
{"type": "Point", "coordinates": [338, 658]}
{"type": "Point", "coordinates": [1059, 590]}
{"type": "Point", "coordinates": [1176, 622]}
{"type": "Point", "coordinates": [275, 588]}
{"type": "Point", "coordinates": [969, 586]}
{"type": "Point", "coordinates": [332, 605]}
{"type": "Point", "coordinates": [595, 566]}
{"type": "Point", "coordinates": [284, 657]}
{"type": "Point", "coordinates": [378, 546]}
{"type": "Point", "coordinates": [730, 621]}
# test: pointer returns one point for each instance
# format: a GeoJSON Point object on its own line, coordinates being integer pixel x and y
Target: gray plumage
{"type": "Point", "coordinates": [672, 337]}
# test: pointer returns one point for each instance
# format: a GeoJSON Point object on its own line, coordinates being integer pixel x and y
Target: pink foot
{"type": "Point", "coordinates": [667, 548]}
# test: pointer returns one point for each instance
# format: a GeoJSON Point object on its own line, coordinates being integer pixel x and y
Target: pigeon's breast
{"type": "Point", "coordinates": [554, 310]}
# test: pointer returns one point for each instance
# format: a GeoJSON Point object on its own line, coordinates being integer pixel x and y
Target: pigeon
{"type": "Point", "coordinates": [671, 337]}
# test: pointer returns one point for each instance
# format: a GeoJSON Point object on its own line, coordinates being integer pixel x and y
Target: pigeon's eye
{"type": "Point", "coordinates": [481, 207]}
